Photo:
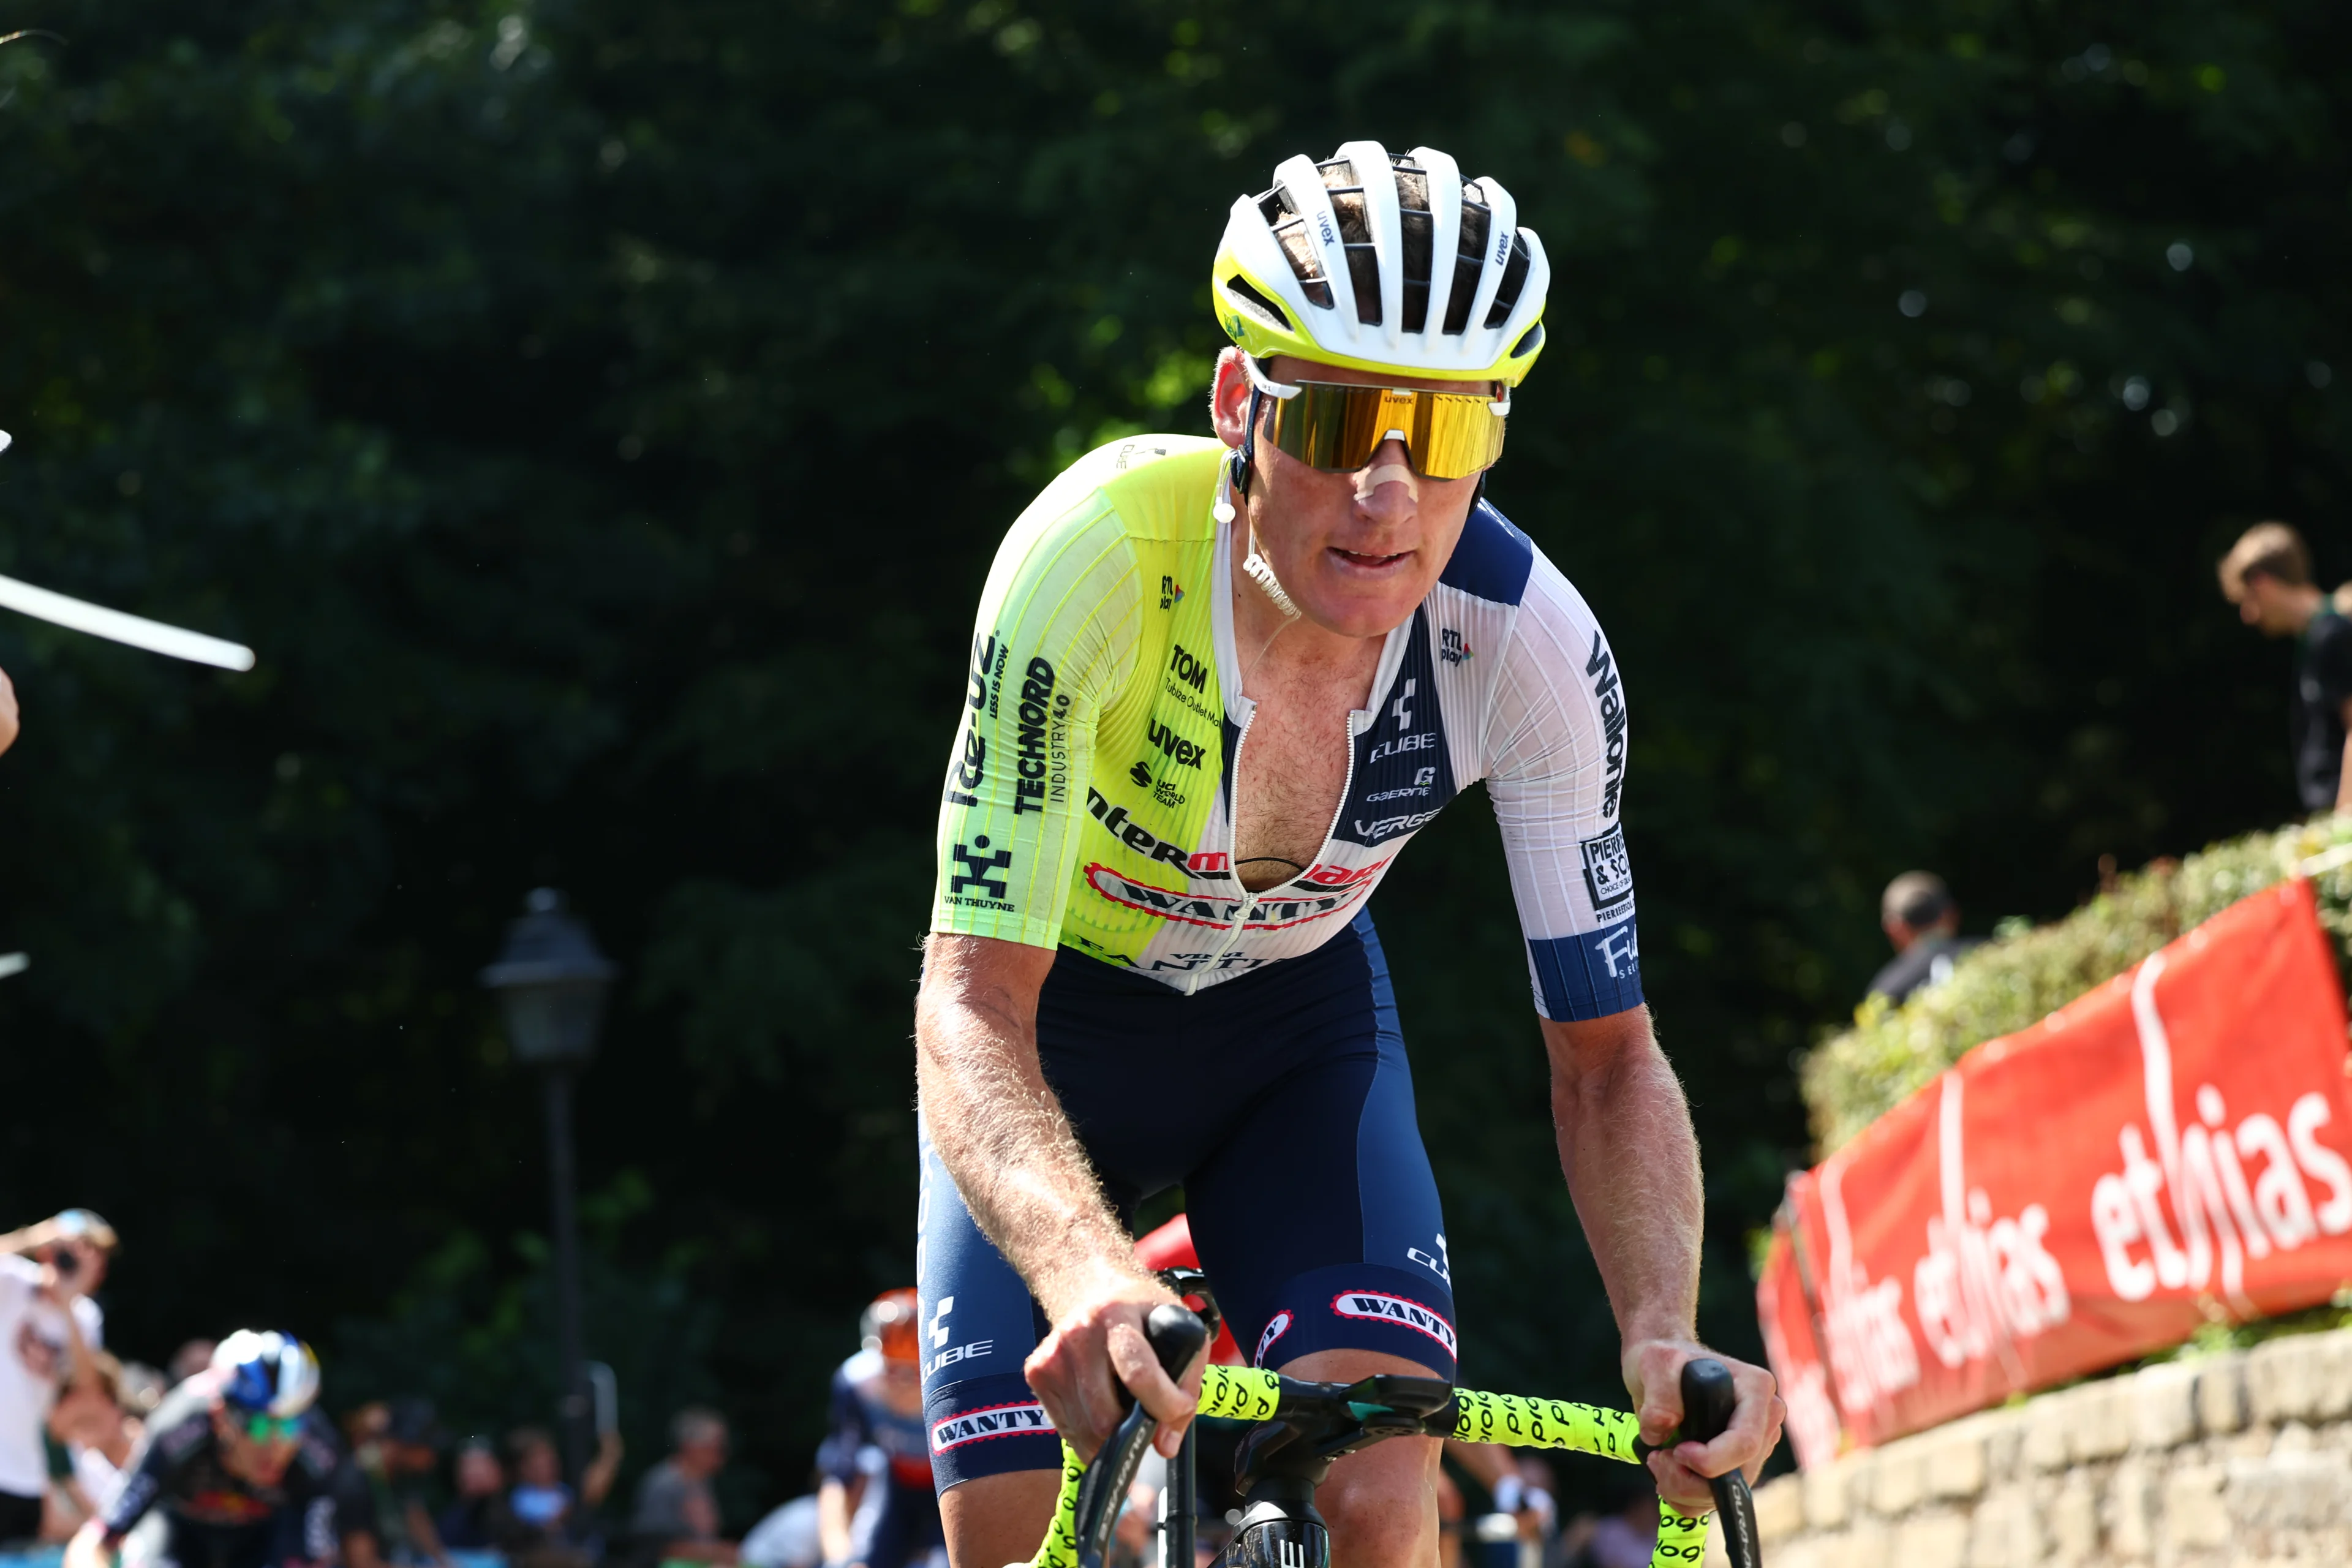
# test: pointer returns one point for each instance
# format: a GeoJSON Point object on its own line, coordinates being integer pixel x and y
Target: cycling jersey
{"type": "Point", "coordinates": [217, 1520]}
{"type": "Point", "coordinates": [897, 1519]}
{"type": "Point", "coordinates": [1089, 798]}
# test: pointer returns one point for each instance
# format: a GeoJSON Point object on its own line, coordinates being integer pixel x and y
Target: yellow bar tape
{"type": "Point", "coordinates": [1060, 1547]}
{"type": "Point", "coordinates": [1525, 1423]}
{"type": "Point", "coordinates": [1240, 1392]}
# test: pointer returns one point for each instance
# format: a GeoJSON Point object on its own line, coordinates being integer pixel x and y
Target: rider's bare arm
{"type": "Point", "coordinates": [1002, 1135]}
{"type": "Point", "coordinates": [1631, 1162]}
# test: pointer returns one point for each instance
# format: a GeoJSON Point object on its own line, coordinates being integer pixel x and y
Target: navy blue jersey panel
{"type": "Point", "coordinates": [1492, 559]}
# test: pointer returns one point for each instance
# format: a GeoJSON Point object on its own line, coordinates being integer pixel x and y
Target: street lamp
{"type": "Point", "coordinates": [550, 983]}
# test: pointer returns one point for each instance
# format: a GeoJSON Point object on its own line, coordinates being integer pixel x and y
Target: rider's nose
{"type": "Point", "coordinates": [1386, 486]}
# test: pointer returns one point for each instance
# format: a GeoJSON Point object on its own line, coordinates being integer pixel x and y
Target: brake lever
{"type": "Point", "coordinates": [1707, 1402]}
{"type": "Point", "coordinates": [1176, 1336]}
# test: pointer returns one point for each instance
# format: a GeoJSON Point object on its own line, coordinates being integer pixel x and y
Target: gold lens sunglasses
{"type": "Point", "coordinates": [1336, 427]}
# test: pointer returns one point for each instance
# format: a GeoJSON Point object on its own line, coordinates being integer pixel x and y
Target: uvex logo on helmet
{"type": "Point", "coordinates": [1384, 263]}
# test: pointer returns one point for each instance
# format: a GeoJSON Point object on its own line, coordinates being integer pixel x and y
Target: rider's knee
{"type": "Point", "coordinates": [1387, 1492]}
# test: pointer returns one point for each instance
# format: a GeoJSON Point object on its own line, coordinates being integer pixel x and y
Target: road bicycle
{"type": "Point", "coordinates": [1301, 1426]}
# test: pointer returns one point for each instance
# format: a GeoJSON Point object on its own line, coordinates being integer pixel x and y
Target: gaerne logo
{"type": "Point", "coordinates": [1394, 1310]}
{"type": "Point", "coordinates": [979, 1425]}
{"type": "Point", "coordinates": [1276, 1326]}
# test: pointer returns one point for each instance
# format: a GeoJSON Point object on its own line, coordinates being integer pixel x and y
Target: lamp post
{"type": "Point", "coordinates": [551, 982]}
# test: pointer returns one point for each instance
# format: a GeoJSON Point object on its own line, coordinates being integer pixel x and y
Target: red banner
{"type": "Point", "coordinates": [2173, 1146]}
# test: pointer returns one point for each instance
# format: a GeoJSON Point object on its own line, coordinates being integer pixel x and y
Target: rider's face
{"type": "Point", "coordinates": [262, 1461]}
{"type": "Point", "coordinates": [1355, 556]}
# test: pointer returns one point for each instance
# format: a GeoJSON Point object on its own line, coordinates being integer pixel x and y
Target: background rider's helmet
{"type": "Point", "coordinates": [888, 1326]}
{"type": "Point", "coordinates": [266, 1372]}
{"type": "Point", "coordinates": [1385, 264]}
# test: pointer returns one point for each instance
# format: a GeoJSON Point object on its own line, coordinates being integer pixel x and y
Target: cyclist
{"type": "Point", "coordinates": [877, 1507]}
{"type": "Point", "coordinates": [245, 1472]}
{"type": "Point", "coordinates": [1216, 685]}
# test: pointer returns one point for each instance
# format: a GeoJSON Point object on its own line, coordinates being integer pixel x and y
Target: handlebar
{"type": "Point", "coordinates": [1357, 1414]}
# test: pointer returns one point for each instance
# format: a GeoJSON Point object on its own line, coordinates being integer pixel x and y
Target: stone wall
{"type": "Point", "coordinates": [2236, 1459]}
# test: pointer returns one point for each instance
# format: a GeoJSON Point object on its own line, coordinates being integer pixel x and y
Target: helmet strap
{"type": "Point", "coordinates": [1255, 567]}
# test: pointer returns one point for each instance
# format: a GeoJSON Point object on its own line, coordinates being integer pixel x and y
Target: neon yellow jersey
{"type": "Point", "coordinates": [1089, 794]}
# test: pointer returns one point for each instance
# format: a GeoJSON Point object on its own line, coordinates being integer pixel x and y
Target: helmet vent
{"type": "Point", "coordinates": [1412, 214]}
{"type": "Point", "coordinates": [1240, 287]}
{"type": "Point", "coordinates": [1515, 279]}
{"type": "Point", "coordinates": [1530, 341]}
{"type": "Point", "coordinates": [1469, 257]}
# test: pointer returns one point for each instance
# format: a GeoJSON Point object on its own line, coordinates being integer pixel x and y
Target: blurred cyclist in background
{"type": "Point", "coordinates": [242, 1469]}
{"type": "Point", "coordinates": [877, 1508]}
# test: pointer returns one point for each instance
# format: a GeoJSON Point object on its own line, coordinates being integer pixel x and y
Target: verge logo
{"type": "Point", "coordinates": [1381, 1307]}
{"type": "Point", "coordinates": [979, 1425]}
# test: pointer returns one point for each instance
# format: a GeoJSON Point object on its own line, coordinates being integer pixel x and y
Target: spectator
{"type": "Point", "coordinates": [2267, 574]}
{"type": "Point", "coordinates": [787, 1538]}
{"type": "Point", "coordinates": [48, 1328]}
{"type": "Point", "coordinates": [397, 1448]}
{"type": "Point", "coordinates": [543, 1525]}
{"type": "Point", "coordinates": [94, 1421]}
{"type": "Point", "coordinates": [473, 1522]}
{"type": "Point", "coordinates": [1921, 919]}
{"type": "Point", "coordinates": [676, 1517]}
{"type": "Point", "coordinates": [1627, 1534]}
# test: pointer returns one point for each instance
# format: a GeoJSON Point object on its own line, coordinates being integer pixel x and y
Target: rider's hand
{"type": "Point", "coordinates": [1099, 1329]}
{"type": "Point", "coordinates": [1653, 1376]}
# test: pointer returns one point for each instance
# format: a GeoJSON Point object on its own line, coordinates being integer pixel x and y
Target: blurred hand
{"type": "Point", "coordinates": [8, 711]}
{"type": "Point", "coordinates": [1653, 1370]}
{"type": "Point", "coordinates": [1100, 1336]}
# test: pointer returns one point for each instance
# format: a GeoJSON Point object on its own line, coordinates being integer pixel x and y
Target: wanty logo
{"type": "Point", "coordinates": [1387, 1308]}
{"type": "Point", "coordinates": [979, 1425]}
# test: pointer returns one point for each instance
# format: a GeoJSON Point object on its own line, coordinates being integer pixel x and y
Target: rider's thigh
{"type": "Point", "coordinates": [991, 1520]}
{"type": "Point", "coordinates": [1382, 1501]}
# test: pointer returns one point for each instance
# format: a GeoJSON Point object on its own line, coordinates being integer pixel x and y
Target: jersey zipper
{"type": "Point", "coordinates": [1234, 842]}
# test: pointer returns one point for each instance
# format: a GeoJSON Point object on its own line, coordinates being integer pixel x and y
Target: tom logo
{"type": "Point", "coordinates": [976, 870]}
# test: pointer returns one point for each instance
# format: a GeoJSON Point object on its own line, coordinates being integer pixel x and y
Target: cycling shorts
{"type": "Point", "coordinates": [896, 1524]}
{"type": "Point", "coordinates": [1282, 1103]}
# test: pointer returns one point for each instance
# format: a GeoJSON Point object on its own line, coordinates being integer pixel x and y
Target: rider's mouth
{"type": "Point", "coordinates": [1369, 562]}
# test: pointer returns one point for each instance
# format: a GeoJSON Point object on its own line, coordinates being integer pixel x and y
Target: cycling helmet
{"type": "Point", "coordinates": [1383, 264]}
{"type": "Point", "coordinates": [267, 1373]}
{"type": "Point", "coordinates": [888, 1326]}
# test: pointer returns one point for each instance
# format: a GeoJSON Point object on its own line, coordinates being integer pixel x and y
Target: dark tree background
{"type": "Point", "coordinates": [601, 416]}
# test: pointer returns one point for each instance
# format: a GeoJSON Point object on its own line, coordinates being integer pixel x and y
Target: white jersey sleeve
{"type": "Point", "coordinates": [1554, 749]}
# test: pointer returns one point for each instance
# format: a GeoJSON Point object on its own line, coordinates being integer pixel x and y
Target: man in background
{"type": "Point", "coordinates": [1920, 918]}
{"type": "Point", "coordinates": [48, 1328]}
{"type": "Point", "coordinates": [676, 1518]}
{"type": "Point", "coordinates": [2267, 574]}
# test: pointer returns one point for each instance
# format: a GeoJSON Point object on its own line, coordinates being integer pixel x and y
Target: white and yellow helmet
{"type": "Point", "coordinates": [1385, 264]}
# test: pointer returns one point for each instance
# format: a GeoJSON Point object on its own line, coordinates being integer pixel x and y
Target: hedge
{"type": "Point", "coordinates": [2027, 972]}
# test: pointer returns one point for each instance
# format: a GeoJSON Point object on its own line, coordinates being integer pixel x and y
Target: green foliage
{"type": "Point", "coordinates": [2016, 980]}
{"type": "Point", "coordinates": [600, 417]}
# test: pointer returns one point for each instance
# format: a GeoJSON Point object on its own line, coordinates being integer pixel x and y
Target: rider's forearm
{"type": "Point", "coordinates": [999, 1128]}
{"type": "Point", "coordinates": [1631, 1162]}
